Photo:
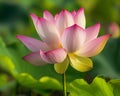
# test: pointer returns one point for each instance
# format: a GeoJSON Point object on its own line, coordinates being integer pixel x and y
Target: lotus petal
{"type": "Point", "coordinates": [81, 64]}
{"type": "Point", "coordinates": [48, 32]}
{"type": "Point", "coordinates": [61, 67]}
{"type": "Point", "coordinates": [73, 37]}
{"type": "Point", "coordinates": [80, 18]}
{"type": "Point", "coordinates": [63, 20]}
{"type": "Point", "coordinates": [35, 59]}
{"type": "Point", "coordinates": [48, 16]}
{"type": "Point", "coordinates": [93, 47]}
{"type": "Point", "coordinates": [34, 19]}
{"type": "Point", "coordinates": [92, 32]}
{"type": "Point", "coordinates": [33, 44]}
{"type": "Point", "coordinates": [54, 56]}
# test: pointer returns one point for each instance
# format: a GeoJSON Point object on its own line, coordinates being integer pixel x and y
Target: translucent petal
{"type": "Point", "coordinates": [35, 59]}
{"type": "Point", "coordinates": [33, 44]}
{"type": "Point", "coordinates": [80, 18]}
{"type": "Point", "coordinates": [73, 37]}
{"type": "Point", "coordinates": [61, 67]}
{"type": "Point", "coordinates": [92, 32]}
{"type": "Point", "coordinates": [54, 56]}
{"type": "Point", "coordinates": [93, 47]}
{"type": "Point", "coordinates": [81, 64]}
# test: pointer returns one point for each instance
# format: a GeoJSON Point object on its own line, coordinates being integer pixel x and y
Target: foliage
{"type": "Point", "coordinates": [99, 87]}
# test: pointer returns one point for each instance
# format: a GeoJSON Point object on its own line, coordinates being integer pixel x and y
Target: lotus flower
{"type": "Point", "coordinates": [64, 41]}
{"type": "Point", "coordinates": [113, 29]}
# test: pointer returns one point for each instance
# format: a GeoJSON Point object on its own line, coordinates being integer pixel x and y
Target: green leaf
{"type": "Point", "coordinates": [27, 74]}
{"type": "Point", "coordinates": [116, 86]}
{"type": "Point", "coordinates": [98, 87]}
{"type": "Point", "coordinates": [6, 63]}
{"type": "Point", "coordinates": [44, 82]}
{"type": "Point", "coordinates": [5, 83]}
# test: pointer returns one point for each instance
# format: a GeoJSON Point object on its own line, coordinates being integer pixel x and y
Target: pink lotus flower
{"type": "Point", "coordinates": [64, 41]}
{"type": "Point", "coordinates": [114, 29]}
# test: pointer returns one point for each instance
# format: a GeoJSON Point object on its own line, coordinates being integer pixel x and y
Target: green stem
{"type": "Point", "coordinates": [64, 85]}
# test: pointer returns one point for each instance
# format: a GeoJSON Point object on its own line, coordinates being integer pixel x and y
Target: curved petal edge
{"type": "Point", "coordinates": [61, 67]}
{"type": "Point", "coordinates": [32, 44]}
{"type": "Point", "coordinates": [54, 56]}
{"type": "Point", "coordinates": [73, 37]}
{"type": "Point", "coordinates": [81, 64]}
{"type": "Point", "coordinates": [35, 59]}
{"type": "Point", "coordinates": [93, 47]}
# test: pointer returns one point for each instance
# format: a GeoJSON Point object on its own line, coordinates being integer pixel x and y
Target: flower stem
{"type": "Point", "coordinates": [64, 85]}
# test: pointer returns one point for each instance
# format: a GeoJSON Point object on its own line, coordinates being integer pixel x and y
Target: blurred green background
{"type": "Point", "coordinates": [16, 74]}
